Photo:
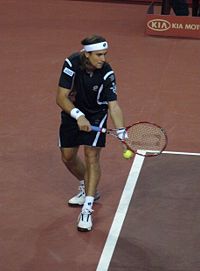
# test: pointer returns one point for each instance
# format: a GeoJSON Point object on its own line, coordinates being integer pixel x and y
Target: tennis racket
{"type": "Point", "coordinates": [144, 138]}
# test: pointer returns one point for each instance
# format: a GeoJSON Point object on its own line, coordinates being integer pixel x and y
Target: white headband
{"type": "Point", "coordinates": [96, 47]}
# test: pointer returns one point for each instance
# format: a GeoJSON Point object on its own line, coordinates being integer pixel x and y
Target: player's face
{"type": "Point", "coordinates": [97, 58]}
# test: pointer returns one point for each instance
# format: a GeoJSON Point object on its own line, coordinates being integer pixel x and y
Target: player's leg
{"type": "Point", "coordinates": [93, 173]}
{"type": "Point", "coordinates": [69, 146]}
{"type": "Point", "coordinates": [76, 166]}
{"type": "Point", "coordinates": [180, 7]}
{"type": "Point", "coordinates": [73, 163]}
{"type": "Point", "coordinates": [166, 7]}
{"type": "Point", "coordinates": [93, 170]}
{"type": "Point", "coordinates": [195, 8]}
{"type": "Point", "coordinates": [93, 142]}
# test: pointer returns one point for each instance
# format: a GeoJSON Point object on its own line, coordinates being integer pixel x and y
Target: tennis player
{"type": "Point", "coordinates": [86, 94]}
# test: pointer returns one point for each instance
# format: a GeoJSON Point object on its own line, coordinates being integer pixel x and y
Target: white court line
{"type": "Point", "coordinates": [182, 153]}
{"type": "Point", "coordinates": [122, 209]}
{"type": "Point", "coordinates": [120, 214]}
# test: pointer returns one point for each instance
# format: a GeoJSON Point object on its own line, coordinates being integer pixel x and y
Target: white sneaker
{"type": "Point", "coordinates": [79, 199]}
{"type": "Point", "coordinates": [85, 220]}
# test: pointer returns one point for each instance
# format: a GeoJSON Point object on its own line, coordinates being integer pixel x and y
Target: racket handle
{"type": "Point", "coordinates": [98, 129]}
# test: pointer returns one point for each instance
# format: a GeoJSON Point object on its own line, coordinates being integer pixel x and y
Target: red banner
{"type": "Point", "coordinates": [171, 25]}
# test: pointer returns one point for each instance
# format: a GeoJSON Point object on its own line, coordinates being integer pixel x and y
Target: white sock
{"type": "Point", "coordinates": [82, 186]}
{"type": "Point", "coordinates": [89, 200]}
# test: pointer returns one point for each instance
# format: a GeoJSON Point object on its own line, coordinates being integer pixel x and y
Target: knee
{"type": "Point", "coordinates": [68, 158]}
{"type": "Point", "coordinates": [92, 156]}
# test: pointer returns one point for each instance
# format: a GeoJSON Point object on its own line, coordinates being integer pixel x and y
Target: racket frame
{"type": "Point", "coordinates": [146, 153]}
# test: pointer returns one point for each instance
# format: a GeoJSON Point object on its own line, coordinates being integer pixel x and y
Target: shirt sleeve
{"type": "Point", "coordinates": [67, 75]}
{"type": "Point", "coordinates": [110, 86]}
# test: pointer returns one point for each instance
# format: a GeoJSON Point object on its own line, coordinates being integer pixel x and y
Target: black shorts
{"type": "Point", "coordinates": [70, 135]}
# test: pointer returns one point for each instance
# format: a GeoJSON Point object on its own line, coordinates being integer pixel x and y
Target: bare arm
{"type": "Point", "coordinates": [65, 104]}
{"type": "Point", "coordinates": [116, 114]}
{"type": "Point", "coordinates": [62, 100]}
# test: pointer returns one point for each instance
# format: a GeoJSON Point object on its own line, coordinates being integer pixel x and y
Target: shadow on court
{"type": "Point", "coordinates": [161, 230]}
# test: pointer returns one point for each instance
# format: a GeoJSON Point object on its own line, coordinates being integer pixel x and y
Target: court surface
{"type": "Point", "coordinates": [148, 216]}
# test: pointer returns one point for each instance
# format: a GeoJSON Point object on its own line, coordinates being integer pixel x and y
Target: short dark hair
{"type": "Point", "coordinates": [92, 40]}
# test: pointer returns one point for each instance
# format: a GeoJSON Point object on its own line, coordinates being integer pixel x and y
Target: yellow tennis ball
{"type": "Point", "coordinates": [128, 154]}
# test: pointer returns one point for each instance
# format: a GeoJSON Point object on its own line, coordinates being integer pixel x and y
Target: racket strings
{"type": "Point", "coordinates": [145, 136]}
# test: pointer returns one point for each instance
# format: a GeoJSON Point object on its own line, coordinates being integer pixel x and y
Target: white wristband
{"type": "Point", "coordinates": [76, 113]}
{"type": "Point", "coordinates": [122, 134]}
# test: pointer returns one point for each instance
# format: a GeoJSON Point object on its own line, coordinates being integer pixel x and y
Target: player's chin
{"type": "Point", "coordinates": [99, 65]}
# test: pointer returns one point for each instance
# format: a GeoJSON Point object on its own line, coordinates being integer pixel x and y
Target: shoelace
{"type": "Point", "coordinates": [87, 211]}
{"type": "Point", "coordinates": [85, 215]}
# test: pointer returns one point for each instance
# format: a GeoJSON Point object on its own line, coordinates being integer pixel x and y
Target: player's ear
{"type": "Point", "coordinates": [86, 54]}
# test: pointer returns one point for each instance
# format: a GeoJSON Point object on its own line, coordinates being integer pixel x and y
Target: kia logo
{"type": "Point", "coordinates": [159, 25]}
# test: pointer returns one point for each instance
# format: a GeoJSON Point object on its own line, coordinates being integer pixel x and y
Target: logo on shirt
{"type": "Point", "coordinates": [114, 88]}
{"type": "Point", "coordinates": [68, 72]}
{"type": "Point", "coordinates": [95, 88]}
{"type": "Point", "coordinates": [112, 77]}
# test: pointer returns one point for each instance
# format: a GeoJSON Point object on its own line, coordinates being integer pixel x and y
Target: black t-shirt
{"type": "Point", "coordinates": [90, 92]}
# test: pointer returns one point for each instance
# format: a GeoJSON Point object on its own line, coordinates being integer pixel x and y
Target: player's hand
{"type": "Point", "coordinates": [83, 124]}
{"type": "Point", "coordinates": [122, 134]}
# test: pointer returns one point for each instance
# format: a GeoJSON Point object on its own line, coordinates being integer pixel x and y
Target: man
{"type": "Point", "coordinates": [180, 7]}
{"type": "Point", "coordinates": [86, 93]}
